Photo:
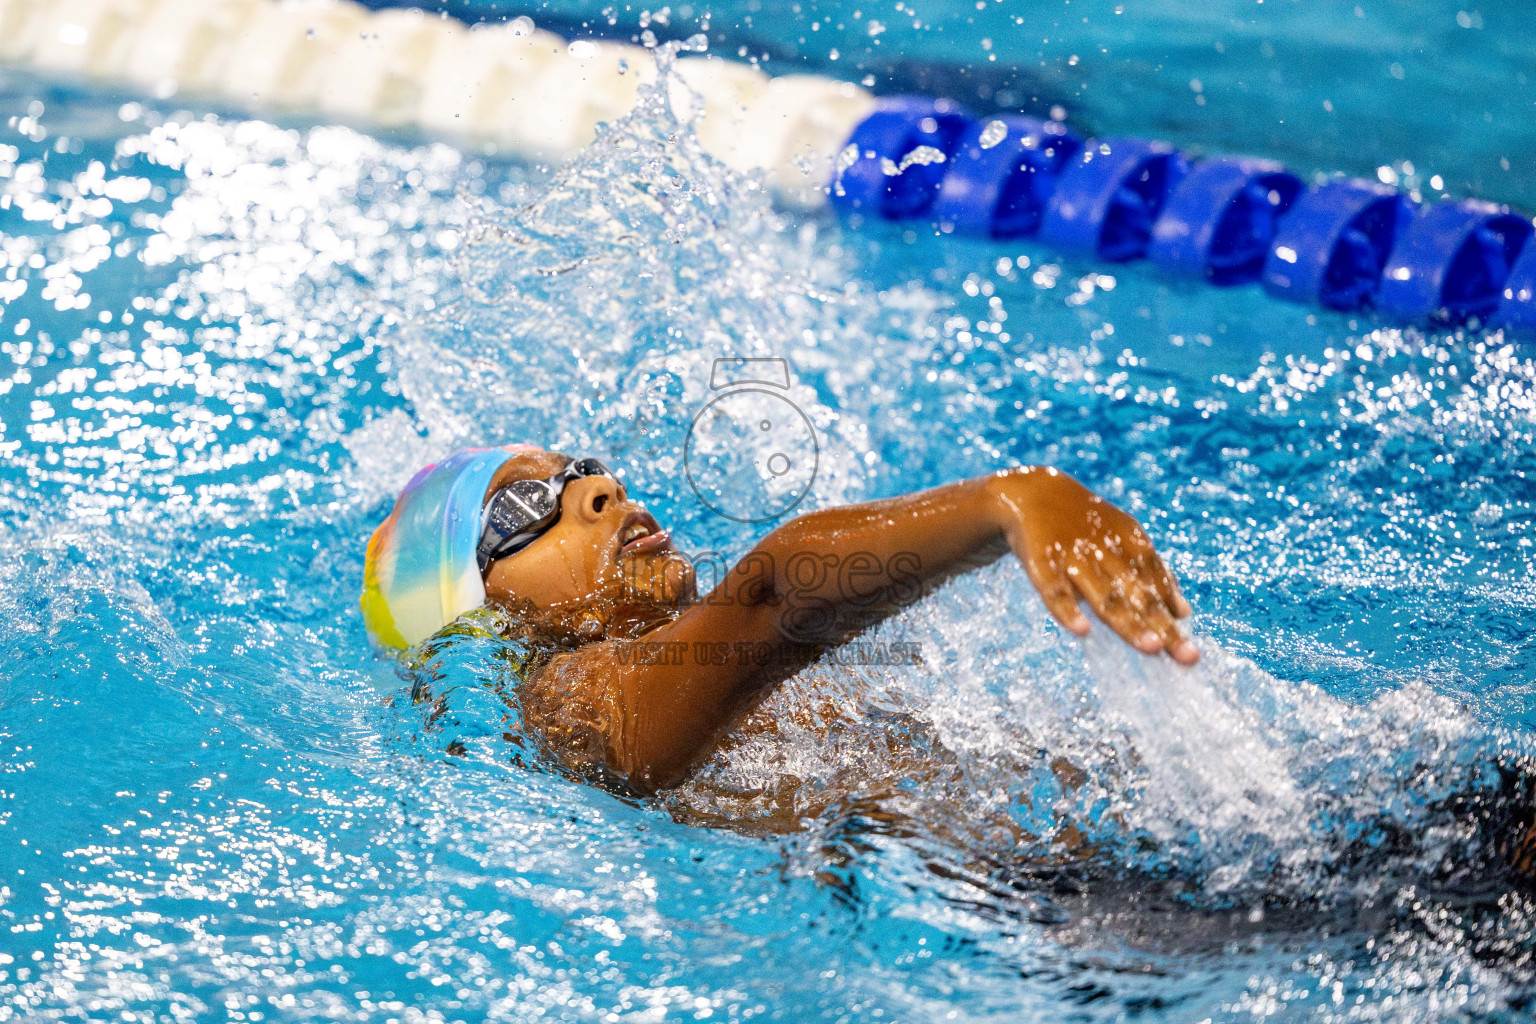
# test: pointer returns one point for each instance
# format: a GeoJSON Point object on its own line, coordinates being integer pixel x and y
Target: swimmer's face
{"type": "Point", "coordinates": [605, 566]}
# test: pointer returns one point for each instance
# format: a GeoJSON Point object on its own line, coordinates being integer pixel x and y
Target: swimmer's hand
{"type": "Point", "coordinates": [1075, 545]}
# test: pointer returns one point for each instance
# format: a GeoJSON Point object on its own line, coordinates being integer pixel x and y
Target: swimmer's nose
{"type": "Point", "coordinates": [593, 497]}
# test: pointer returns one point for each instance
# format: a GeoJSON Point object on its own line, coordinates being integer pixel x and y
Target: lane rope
{"type": "Point", "coordinates": [1341, 244]}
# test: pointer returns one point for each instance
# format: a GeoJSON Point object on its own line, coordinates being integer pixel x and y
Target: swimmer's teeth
{"type": "Point", "coordinates": [635, 532]}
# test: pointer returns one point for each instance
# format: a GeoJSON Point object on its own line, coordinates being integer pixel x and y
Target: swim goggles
{"type": "Point", "coordinates": [524, 510]}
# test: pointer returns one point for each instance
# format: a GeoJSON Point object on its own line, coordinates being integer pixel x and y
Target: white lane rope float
{"type": "Point", "coordinates": [530, 93]}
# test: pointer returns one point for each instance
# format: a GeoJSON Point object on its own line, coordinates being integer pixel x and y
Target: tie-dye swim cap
{"type": "Point", "coordinates": [420, 572]}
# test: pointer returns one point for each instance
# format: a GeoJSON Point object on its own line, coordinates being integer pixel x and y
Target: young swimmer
{"type": "Point", "coordinates": [634, 679]}
{"type": "Point", "coordinates": [644, 677]}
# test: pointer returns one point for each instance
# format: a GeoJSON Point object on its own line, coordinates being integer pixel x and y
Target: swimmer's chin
{"type": "Point", "coordinates": [659, 574]}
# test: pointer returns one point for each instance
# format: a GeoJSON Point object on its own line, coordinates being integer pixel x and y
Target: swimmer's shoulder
{"type": "Point", "coordinates": [572, 704]}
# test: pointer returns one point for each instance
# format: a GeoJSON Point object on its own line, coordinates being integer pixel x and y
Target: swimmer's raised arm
{"type": "Point", "coordinates": [675, 690]}
{"type": "Point", "coordinates": [654, 675]}
{"type": "Point", "coordinates": [1074, 545]}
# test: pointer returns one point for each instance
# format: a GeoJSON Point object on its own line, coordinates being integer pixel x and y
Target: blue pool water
{"type": "Point", "coordinates": [227, 342]}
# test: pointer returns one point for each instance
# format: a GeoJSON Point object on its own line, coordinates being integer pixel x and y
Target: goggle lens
{"type": "Point", "coordinates": [524, 510]}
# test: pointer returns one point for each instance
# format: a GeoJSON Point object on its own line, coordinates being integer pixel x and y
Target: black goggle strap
{"type": "Point", "coordinates": [587, 467]}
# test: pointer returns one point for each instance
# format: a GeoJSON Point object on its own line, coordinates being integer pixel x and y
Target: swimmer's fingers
{"type": "Point", "coordinates": [1106, 596]}
{"type": "Point", "coordinates": [1136, 580]}
{"type": "Point", "coordinates": [1131, 606]}
{"type": "Point", "coordinates": [1161, 616]}
{"type": "Point", "coordinates": [1050, 579]}
{"type": "Point", "coordinates": [1149, 564]}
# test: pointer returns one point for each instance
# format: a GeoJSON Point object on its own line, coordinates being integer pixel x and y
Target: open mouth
{"type": "Point", "coordinates": [641, 534]}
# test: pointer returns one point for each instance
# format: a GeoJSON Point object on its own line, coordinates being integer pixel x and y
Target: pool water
{"type": "Point", "coordinates": [228, 342]}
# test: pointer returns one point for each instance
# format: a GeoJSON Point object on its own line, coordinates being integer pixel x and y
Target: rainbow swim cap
{"type": "Point", "coordinates": [420, 572]}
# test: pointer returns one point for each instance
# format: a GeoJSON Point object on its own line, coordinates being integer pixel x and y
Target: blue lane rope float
{"type": "Point", "coordinates": [897, 157]}
{"type": "Point", "coordinates": [1517, 307]}
{"type": "Point", "coordinates": [1220, 220]}
{"type": "Point", "coordinates": [1452, 262]}
{"type": "Point", "coordinates": [1332, 244]}
{"type": "Point", "coordinates": [1344, 244]}
{"type": "Point", "coordinates": [1108, 198]}
{"type": "Point", "coordinates": [1002, 174]}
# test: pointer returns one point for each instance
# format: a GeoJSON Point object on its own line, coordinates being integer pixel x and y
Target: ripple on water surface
{"type": "Point", "coordinates": [229, 342]}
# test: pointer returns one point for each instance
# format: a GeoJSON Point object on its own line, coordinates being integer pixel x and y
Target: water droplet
{"type": "Point", "coordinates": [922, 155]}
{"type": "Point", "coordinates": [846, 159]}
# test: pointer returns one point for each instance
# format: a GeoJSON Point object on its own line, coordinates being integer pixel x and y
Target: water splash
{"type": "Point", "coordinates": [1039, 753]}
{"type": "Point", "coordinates": [919, 156]}
{"type": "Point", "coordinates": [590, 312]}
